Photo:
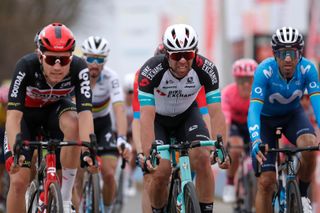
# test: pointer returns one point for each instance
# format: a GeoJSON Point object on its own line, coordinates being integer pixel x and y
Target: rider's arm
{"type": "Point", "coordinates": [218, 123]}
{"type": "Point", "coordinates": [147, 128]}
{"type": "Point", "coordinates": [83, 101]}
{"type": "Point", "coordinates": [117, 99]}
{"type": "Point", "coordinates": [258, 92]}
{"type": "Point", "coordinates": [314, 91]}
{"type": "Point", "coordinates": [136, 115]}
{"type": "Point", "coordinates": [202, 104]}
{"type": "Point", "coordinates": [16, 100]}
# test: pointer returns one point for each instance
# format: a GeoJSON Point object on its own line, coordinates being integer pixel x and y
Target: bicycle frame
{"type": "Point", "coordinates": [46, 172]}
{"type": "Point", "coordinates": [166, 151]}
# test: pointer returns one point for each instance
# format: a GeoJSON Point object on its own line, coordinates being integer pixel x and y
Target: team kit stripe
{"type": "Point", "coordinates": [257, 100]}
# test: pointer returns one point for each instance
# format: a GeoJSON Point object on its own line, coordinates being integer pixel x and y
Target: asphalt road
{"type": "Point", "coordinates": [133, 205]}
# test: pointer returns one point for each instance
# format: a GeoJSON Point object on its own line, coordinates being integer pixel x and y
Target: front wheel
{"type": "Point", "coordinates": [172, 204]}
{"type": "Point", "coordinates": [294, 204]}
{"type": "Point", "coordinates": [190, 199]}
{"type": "Point", "coordinates": [54, 199]}
{"type": "Point", "coordinates": [31, 197]}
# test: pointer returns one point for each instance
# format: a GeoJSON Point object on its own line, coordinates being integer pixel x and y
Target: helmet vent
{"type": "Point", "coordinates": [97, 42]}
{"type": "Point", "coordinates": [68, 42]}
{"type": "Point", "coordinates": [173, 33]}
{"type": "Point", "coordinates": [187, 32]}
{"type": "Point", "coordinates": [170, 44]}
{"type": "Point", "coordinates": [192, 42]}
{"type": "Point", "coordinates": [177, 43]}
{"type": "Point", "coordinates": [57, 31]}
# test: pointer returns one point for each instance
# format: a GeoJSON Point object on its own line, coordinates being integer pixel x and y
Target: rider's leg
{"type": "Point", "coordinates": [108, 170]}
{"type": "Point", "coordinates": [157, 182]}
{"type": "Point", "coordinates": [69, 126]}
{"type": "Point", "coordinates": [17, 190]}
{"type": "Point", "coordinates": [200, 164]}
{"type": "Point", "coordinates": [265, 185]}
{"type": "Point", "coordinates": [308, 162]}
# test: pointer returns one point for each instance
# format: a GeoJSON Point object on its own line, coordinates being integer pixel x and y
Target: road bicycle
{"type": "Point", "coordinates": [46, 185]}
{"type": "Point", "coordinates": [287, 196]}
{"type": "Point", "coordinates": [92, 199]}
{"type": "Point", "coordinates": [182, 193]}
{"type": "Point", "coordinates": [245, 182]}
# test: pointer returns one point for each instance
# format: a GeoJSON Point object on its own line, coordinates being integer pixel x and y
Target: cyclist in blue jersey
{"type": "Point", "coordinates": [279, 84]}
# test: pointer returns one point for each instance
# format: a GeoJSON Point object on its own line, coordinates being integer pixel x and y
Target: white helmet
{"type": "Point", "coordinates": [96, 45]}
{"type": "Point", "coordinates": [180, 37]}
{"type": "Point", "coordinates": [128, 82]}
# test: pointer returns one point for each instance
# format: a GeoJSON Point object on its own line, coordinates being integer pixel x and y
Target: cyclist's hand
{"type": "Point", "coordinates": [91, 167]}
{"type": "Point", "coordinates": [126, 153]}
{"type": "Point", "coordinates": [11, 168]}
{"type": "Point", "coordinates": [145, 163]}
{"type": "Point", "coordinates": [256, 153]}
{"type": "Point", "coordinates": [226, 164]}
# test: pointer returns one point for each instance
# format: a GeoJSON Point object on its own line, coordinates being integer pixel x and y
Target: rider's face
{"type": "Point", "coordinates": [244, 86]}
{"type": "Point", "coordinates": [287, 59]}
{"type": "Point", "coordinates": [181, 62]}
{"type": "Point", "coordinates": [95, 64]}
{"type": "Point", "coordinates": [56, 65]}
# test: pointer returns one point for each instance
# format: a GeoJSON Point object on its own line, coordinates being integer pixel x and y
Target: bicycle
{"type": "Point", "coordinates": [287, 194]}
{"type": "Point", "coordinates": [246, 184]}
{"type": "Point", "coordinates": [46, 185]}
{"type": "Point", "coordinates": [92, 200]}
{"type": "Point", "coordinates": [182, 193]}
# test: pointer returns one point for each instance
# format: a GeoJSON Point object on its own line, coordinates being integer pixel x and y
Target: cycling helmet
{"type": "Point", "coordinates": [128, 82]}
{"type": "Point", "coordinates": [160, 50]}
{"type": "Point", "coordinates": [287, 37]}
{"type": "Point", "coordinates": [96, 45]}
{"type": "Point", "coordinates": [180, 37]}
{"type": "Point", "coordinates": [244, 67]}
{"type": "Point", "coordinates": [56, 37]}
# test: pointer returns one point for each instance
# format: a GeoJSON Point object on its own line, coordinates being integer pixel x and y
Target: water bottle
{"type": "Point", "coordinates": [282, 200]}
{"type": "Point", "coordinates": [41, 205]}
{"type": "Point", "coordinates": [179, 202]}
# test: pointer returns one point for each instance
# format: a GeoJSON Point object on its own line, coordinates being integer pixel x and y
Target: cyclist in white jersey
{"type": "Point", "coordinates": [107, 95]}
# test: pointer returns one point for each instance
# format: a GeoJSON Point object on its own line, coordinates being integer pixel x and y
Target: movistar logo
{"type": "Point", "coordinates": [282, 100]}
{"type": "Point", "coordinates": [268, 73]}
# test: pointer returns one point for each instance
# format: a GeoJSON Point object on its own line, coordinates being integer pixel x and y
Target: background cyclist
{"type": "Point", "coordinates": [279, 83]}
{"type": "Point", "coordinates": [107, 95]}
{"type": "Point", "coordinates": [39, 96]}
{"type": "Point", "coordinates": [168, 86]}
{"type": "Point", "coordinates": [235, 105]}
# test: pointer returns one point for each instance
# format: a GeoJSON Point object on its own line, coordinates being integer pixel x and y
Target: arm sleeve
{"type": "Point", "coordinates": [116, 89]}
{"type": "Point", "coordinates": [18, 87]}
{"type": "Point", "coordinates": [314, 91]}
{"type": "Point", "coordinates": [135, 101]}
{"type": "Point", "coordinates": [225, 105]}
{"type": "Point", "coordinates": [146, 88]}
{"type": "Point", "coordinates": [256, 103]}
{"type": "Point", "coordinates": [201, 101]}
{"type": "Point", "coordinates": [83, 91]}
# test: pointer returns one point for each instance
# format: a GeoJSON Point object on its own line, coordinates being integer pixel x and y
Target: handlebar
{"type": "Point", "coordinates": [290, 150]}
{"type": "Point", "coordinates": [220, 152]}
{"type": "Point", "coordinates": [52, 144]}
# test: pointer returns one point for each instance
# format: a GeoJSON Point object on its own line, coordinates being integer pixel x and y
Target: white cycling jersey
{"type": "Point", "coordinates": [106, 92]}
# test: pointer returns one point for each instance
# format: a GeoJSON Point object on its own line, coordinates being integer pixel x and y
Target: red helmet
{"type": "Point", "coordinates": [244, 67]}
{"type": "Point", "coordinates": [56, 37]}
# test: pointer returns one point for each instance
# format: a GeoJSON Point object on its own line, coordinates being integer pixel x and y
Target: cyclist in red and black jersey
{"type": "Point", "coordinates": [39, 97]}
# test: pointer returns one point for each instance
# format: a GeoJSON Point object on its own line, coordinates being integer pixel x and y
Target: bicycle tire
{"type": "Point", "coordinates": [95, 183]}
{"type": "Point", "coordinates": [55, 203]}
{"type": "Point", "coordinates": [172, 204]}
{"type": "Point", "coordinates": [31, 197]}
{"type": "Point", "coordinates": [294, 204]}
{"type": "Point", "coordinates": [118, 203]}
{"type": "Point", "coordinates": [190, 199]}
{"type": "Point", "coordinates": [248, 192]}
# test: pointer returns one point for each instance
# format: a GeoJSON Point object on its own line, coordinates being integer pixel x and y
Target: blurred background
{"type": "Point", "coordinates": [228, 29]}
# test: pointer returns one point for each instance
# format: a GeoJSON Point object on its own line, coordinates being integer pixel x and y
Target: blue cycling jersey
{"type": "Point", "coordinates": [272, 95]}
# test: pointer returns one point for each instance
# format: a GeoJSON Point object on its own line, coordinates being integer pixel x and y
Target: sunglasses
{"type": "Point", "coordinates": [282, 54]}
{"type": "Point", "coordinates": [98, 60]}
{"type": "Point", "coordinates": [176, 56]}
{"type": "Point", "coordinates": [243, 80]}
{"type": "Point", "coordinates": [52, 59]}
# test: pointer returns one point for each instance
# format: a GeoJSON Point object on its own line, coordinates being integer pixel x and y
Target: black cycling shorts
{"type": "Point", "coordinates": [188, 126]}
{"type": "Point", "coordinates": [105, 138]}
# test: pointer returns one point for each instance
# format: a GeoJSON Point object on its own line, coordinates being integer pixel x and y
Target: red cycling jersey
{"type": "Point", "coordinates": [234, 107]}
{"type": "Point", "coordinates": [201, 99]}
